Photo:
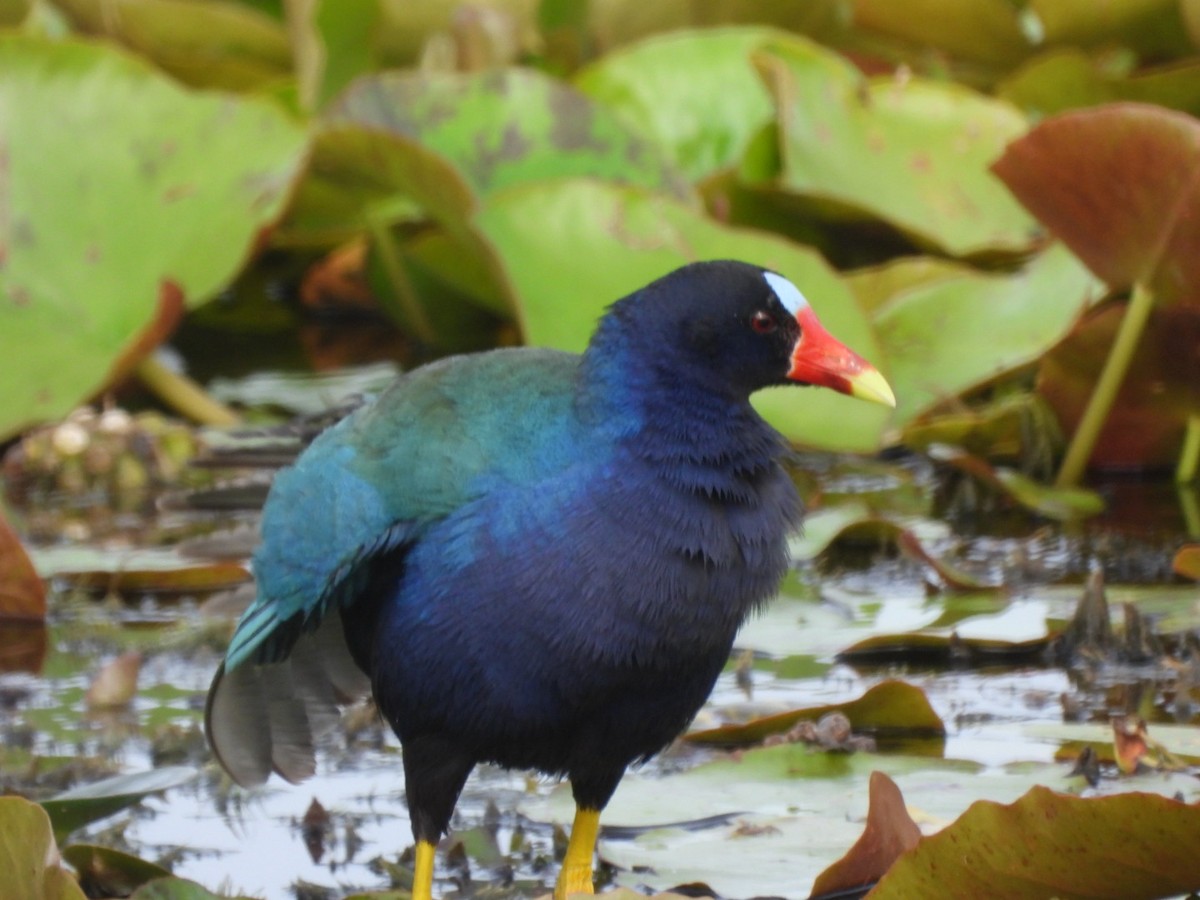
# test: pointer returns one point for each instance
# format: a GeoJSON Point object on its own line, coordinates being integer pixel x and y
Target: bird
{"type": "Point", "coordinates": [530, 557]}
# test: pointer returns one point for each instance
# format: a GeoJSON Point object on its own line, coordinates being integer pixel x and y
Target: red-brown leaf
{"type": "Point", "coordinates": [1120, 185]}
{"type": "Point", "coordinates": [889, 832]}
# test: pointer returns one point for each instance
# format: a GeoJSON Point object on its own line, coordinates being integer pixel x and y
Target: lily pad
{"type": "Point", "coordinates": [1062, 504]}
{"type": "Point", "coordinates": [947, 335]}
{"type": "Point", "coordinates": [986, 31]}
{"type": "Point", "coordinates": [889, 708]}
{"type": "Point", "coordinates": [22, 594]}
{"type": "Point", "coordinates": [106, 872]}
{"type": "Point", "coordinates": [332, 45]}
{"type": "Point", "coordinates": [1069, 78]}
{"type": "Point", "coordinates": [1187, 562]}
{"type": "Point", "coordinates": [496, 129]}
{"type": "Point", "coordinates": [214, 44]}
{"type": "Point", "coordinates": [77, 807]}
{"type": "Point", "coordinates": [178, 889]}
{"type": "Point", "coordinates": [889, 832]}
{"type": "Point", "coordinates": [1146, 425]}
{"type": "Point", "coordinates": [1064, 171]}
{"type": "Point", "coordinates": [28, 855]}
{"type": "Point", "coordinates": [1128, 847]}
{"type": "Point", "coordinates": [105, 250]}
{"type": "Point", "coordinates": [572, 247]}
{"type": "Point", "coordinates": [914, 153]}
{"type": "Point", "coordinates": [1154, 28]}
{"type": "Point", "coordinates": [695, 92]}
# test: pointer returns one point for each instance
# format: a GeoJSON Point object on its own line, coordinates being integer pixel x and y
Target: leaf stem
{"type": "Point", "coordinates": [402, 289]}
{"type": "Point", "coordinates": [184, 395]}
{"type": "Point", "coordinates": [1083, 442]}
{"type": "Point", "coordinates": [1189, 455]}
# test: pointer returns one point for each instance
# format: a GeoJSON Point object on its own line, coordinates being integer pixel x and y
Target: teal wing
{"type": "Point", "coordinates": [432, 442]}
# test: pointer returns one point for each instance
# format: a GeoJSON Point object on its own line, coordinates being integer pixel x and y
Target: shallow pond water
{"type": "Point", "coordinates": [692, 814]}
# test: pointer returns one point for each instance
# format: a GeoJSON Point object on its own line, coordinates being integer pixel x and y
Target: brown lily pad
{"type": "Point", "coordinates": [1119, 184]}
{"type": "Point", "coordinates": [22, 594]}
{"type": "Point", "coordinates": [889, 832]}
{"type": "Point", "coordinates": [1146, 424]}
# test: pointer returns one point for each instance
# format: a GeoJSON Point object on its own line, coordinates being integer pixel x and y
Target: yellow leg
{"type": "Point", "coordinates": [576, 874]}
{"type": "Point", "coordinates": [423, 875]}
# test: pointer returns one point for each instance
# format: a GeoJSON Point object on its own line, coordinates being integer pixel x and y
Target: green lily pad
{"type": "Point", "coordinates": [28, 855]}
{"type": "Point", "coordinates": [572, 247]}
{"type": "Point", "coordinates": [77, 807]}
{"type": "Point", "coordinates": [1154, 28]}
{"type": "Point", "coordinates": [105, 250]}
{"type": "Point", "coordinates": [106, 872]}
{"type": "Point", "coordinates": [695, 92]}
{"type": "Point", "coordinates": [213, 45]}
{"type": "Point", "coordinates": [986, 31]}
{"type": "Point", "coordinates": [948, 335]}
{"type": "Point", "coordinates": [178, 889]}
{"type": "Point", "coordinates": [497, 129]}
{"type": "Point", "coordinates": [1062, 504]}
{"type": "Point", "coordinates": [1069, 78]}
{"type": "Point", "coordinates": [889, 708]}
{"type": "Point", "coordinates": [914, 153]}
{"type": "Point", "coordinates": [332, 45]}
{"type": "Point", "coordinates": [1127, 847]}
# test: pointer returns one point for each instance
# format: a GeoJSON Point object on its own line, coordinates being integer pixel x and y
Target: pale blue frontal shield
{"type": "Point", "coordinates": [789, 295]}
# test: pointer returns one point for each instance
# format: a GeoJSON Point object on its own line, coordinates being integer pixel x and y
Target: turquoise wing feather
{"type": "Point", "coordinates": [439, 437]}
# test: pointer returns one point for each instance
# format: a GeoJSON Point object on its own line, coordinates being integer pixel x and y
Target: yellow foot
{"type": "Point", "coordinates": [576, 874]}
{"type": "Point", "coordinates": [423, 874]}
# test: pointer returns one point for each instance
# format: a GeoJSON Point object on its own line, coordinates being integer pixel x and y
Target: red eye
{"type": "Point", "coordinates": [763, 322]}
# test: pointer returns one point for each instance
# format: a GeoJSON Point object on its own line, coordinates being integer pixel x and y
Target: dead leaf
{"type": "Point", "coordinates": [116, 682]}
{"type": "Point", "coordinates": [889, 832]}
{"type": "Point", "coordinates": [22, 594]}
{"type": "Point", "coordinates": [1187, 562]}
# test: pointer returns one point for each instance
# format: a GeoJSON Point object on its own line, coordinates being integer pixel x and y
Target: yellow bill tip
{"type": "Point", "coordinates": [870, 385]}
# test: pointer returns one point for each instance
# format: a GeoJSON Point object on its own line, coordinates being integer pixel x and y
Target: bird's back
{"type": "Point", "coordinates": [438, 438]}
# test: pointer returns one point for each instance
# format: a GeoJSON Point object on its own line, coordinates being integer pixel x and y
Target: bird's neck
{"type": "Point", "coordinates": [670, 413]}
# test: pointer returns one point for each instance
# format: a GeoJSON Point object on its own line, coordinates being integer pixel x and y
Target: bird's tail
{"type": "Point", "coordinates": [269, 717]}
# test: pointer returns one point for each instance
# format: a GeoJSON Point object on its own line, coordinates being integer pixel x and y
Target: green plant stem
{"type": "Point", "coordinates": [184, 395]}
{"type": "Point", "coordinates": [1189, 505]}
{"type": "Point", "coordinates": [1083, 442]}
{"type": "Point", "coordinates": [1189, 456]}
{"type": "Point", "coordinates": [393, 266]}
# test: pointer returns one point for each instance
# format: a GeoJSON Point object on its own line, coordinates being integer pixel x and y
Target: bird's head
{"type": "Point", "coordinates": [744, 327]}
